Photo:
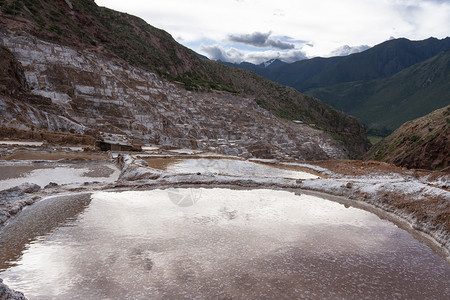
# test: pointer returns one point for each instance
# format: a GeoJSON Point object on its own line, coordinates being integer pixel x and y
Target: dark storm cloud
{"type": "Point", "coordinates": [259, 39]}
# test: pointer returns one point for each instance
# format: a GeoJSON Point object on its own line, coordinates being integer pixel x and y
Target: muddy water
{"type": "Point", "coordinates": [233, 167]}
{"type": "Point", "coordinates": [213, 243]}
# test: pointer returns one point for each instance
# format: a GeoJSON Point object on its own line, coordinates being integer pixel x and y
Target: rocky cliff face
{"type": "Point", "coordinates": [85, 92]}
{"type": "Point", "coordinates": [422, 143]}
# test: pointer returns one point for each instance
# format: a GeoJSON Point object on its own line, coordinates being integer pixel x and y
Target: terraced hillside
{"type": "Point", "coordinates": [84, 26]}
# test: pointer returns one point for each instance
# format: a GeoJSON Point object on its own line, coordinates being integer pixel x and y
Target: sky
{"type": "Point", "coordinates": [259, 30]}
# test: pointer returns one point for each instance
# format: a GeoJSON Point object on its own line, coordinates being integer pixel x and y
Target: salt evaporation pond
{"type": "Point", "coordinates": [12, 175]}
{"type": "Point", "coordinates": [231, 167]}
{"type": "Point", "coordinates": [213, 243]}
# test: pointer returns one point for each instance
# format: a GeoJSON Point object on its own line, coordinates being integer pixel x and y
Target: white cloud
{"type": "Point", "coordinates": [327, 24]}
{"type": "Point", "coordinates": [233, 55]}
{"type": "Point", "coordinates": [347, 50]}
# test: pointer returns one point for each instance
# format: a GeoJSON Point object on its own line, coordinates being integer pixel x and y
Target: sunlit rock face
{"type": "Point", "coordinates": [92, 93]}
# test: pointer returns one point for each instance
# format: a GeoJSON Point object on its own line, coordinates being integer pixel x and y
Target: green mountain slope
{"type": "Point", "coordinates": [421, 143]}
{"type": "Point", "coordinates": [85, 25]}
{"type": "Point", "coordinates": [380, 61]}
{"type": "Point", "coordinates": [385, 104]}
{"type": "Point", "coordinates": [361, 84]}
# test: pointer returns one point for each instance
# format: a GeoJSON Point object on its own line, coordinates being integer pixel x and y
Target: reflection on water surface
{"type": "Point", "coordinates": [60, 173]}
{"type": "Point", "coordinates": [232, 167]}
{"type": "Point", "coordinates": [219, 243]}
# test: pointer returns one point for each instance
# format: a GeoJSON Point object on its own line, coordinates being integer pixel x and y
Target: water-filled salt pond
{"type": "Point", "coordinates": [213, 243]}
{"type": "Point", "coordinates": [231, 167]}
{"type": "Point", "coordinates": [42, 173]}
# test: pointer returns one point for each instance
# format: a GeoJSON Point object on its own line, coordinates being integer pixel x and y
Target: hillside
{"type": "Point", "coordinates": [366, 83]}
{"type": "Point", "coordinates": [84, 25]}
{"type": "Point", "coordinates": [422, 143]}
{"type": "Point", "coordinates": [385, 104]}
{"type": "Point", "coordinates": [380, 61]}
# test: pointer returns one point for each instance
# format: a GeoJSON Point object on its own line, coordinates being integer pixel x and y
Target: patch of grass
{"type": "Point", "coordinates": [380, 155]}
{"type": "Point", "coordinates": [195, 82]}
{"type": "Point", "coordinates": [39, 20]}
{"type": "Point", "coordinates": [56, 29]}
{"type": "Point", "coordinates": [374, 139]}
{"type": "Point", "coordinates": [13, 8]}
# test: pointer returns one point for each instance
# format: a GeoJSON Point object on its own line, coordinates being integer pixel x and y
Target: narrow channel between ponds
{"type": "Point", "coordinates": [213, 243]}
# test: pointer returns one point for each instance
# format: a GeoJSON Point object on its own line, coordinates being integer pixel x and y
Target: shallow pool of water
{"type": "Point", "coordinates": [43, 173]}
{"type": "Point", "coordinates": [232, 167]}
{"type": "Point", "coordinates": [21, 143]}
{"type": "Point", "coordinates": [213, 243]}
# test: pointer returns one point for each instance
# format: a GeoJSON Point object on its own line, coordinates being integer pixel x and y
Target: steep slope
{"type": "Point", "coordinates": [84, 25]}
{"type": "Point", "coordinates": [294, 74]}
{"type": "Point", "coordinates": [259, 69]}
{"type": "Point", "coordinates": [365, 84]}
{"type": "Point", "coordinates": [379, 61]}
{"type": "Point", "coordinates": [421, 143]}
{"type": "Point", "coordinates": [12, 78]}
{"type": "Point", "coordinates": [385, 104]}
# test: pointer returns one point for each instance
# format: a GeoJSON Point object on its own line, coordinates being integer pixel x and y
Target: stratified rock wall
{"type": "Point", "coordinates": [92, 93]}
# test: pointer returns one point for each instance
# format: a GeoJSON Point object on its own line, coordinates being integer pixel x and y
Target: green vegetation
{"type": "Point", "coordinates": [374, 139]}
{"type": "Point", "coordinates": [385, 104]}
{"type": "Point", "coordinates": [421, 143]}
{"type": "Point", "coordinates": [385, 86]}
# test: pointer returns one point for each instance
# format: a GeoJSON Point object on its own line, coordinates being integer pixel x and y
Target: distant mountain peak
{"type": "Point", "coordinates": [272, 63]}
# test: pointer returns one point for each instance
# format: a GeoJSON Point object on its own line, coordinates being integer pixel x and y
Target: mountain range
{"type": "Point", "coordinates": [368, 84]}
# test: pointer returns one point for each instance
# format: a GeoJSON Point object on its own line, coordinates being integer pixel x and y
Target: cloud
{"type": "Point", "coordinates": [288, 56]}
{"type": "Point", "coordinates": [259, 39]}
{"type": "Point", "coordinates": [216, 52]}
{"type": "Point", "coordinates": [233, 55]}
{"type": "Point", "coordinates": [326, 24]}
{"type": "Point", "coordinates": [347, 50]}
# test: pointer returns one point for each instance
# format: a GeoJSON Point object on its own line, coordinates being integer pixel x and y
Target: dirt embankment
{"type": "Point", "coordinates": [422, 143]}
{"type": "Point", "coordinates": [47, 136]}
{"type": "Point", "coordinates": [12, 78]}
{"type": "Point", "coordinates": [417, 196]}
